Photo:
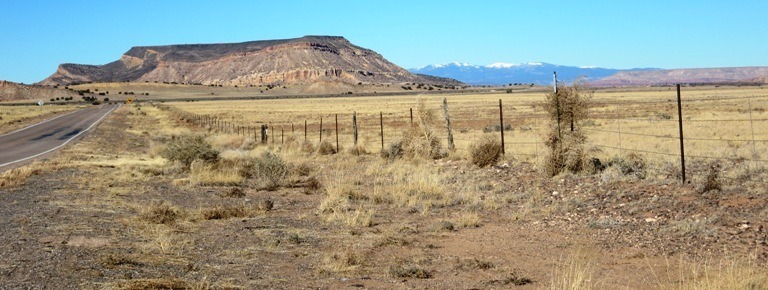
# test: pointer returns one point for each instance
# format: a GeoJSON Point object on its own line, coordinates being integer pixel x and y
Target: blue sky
{"type": "Point", "coordinates": [36, 35]}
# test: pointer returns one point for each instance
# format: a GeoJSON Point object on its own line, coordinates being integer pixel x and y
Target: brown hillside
{"type": "Point", "coordinates": [290, 61]}
{"type": "Point", "coordinates": [10, 91]}
{"type": "Point", "coordinates": [686, 76]}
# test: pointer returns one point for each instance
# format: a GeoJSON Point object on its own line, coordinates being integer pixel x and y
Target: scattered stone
{"type": "Point", "coordinates": [650, 220]}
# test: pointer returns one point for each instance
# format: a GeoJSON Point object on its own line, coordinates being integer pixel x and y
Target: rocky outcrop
{"type": "Point", "coordinates": [302, 60]}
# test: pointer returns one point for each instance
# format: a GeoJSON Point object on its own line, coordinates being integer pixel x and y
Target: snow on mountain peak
{"type": "Point", "coordinates": [511, 65]}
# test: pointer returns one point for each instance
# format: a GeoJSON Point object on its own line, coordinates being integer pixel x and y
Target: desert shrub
{"type": "Point", "coordinates": [270, 169]}
{"type": "Point", "coordinates": [565, 154]}
{"type": "Point", "coordinates": [307, 147]}
{"type": "Point", "coordinates": [227, 212]}
{"type": "Point", "coordinates": [408, 270]}
{"type": "Point", "coordinates": [419, 141]}
{"type": "Point", "coordinates": [631, 165]}
{"type": "Point", "coordinates": [188, 148]}
{"type": "Point", "coordinates": [358, 150]}
{"type": "Point", "coordinates": [160, 213]}
{"type": "Point", "coordinates": [566, 143]}
{"type": "Point", "coordinates": [326, 148]}
{"type": "Point", "coordinates": [486, 151]}
{"type": "Point", "coordinates": [712, 181]}
{"type": "Point", "coordinates": [221, 173]}
{"type": "Point", "coordinates": [393, 151]}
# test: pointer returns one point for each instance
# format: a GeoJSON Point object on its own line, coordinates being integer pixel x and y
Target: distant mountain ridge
{"type": "Point", "coordinates": [726, 75]}
{"type": "Point", "coordinates": [541, 74]}
{"type": "Point", "coordinates": [307, 59]}
{"type": "Point", "coordinates": [510, 73]}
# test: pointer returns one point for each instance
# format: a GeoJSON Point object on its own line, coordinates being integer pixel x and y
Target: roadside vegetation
{"type": "Point", "coordinates": [189, 205]}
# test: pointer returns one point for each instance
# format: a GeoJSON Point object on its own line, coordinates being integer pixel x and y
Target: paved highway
{"type": "Point", "coordinates": [45, 137]}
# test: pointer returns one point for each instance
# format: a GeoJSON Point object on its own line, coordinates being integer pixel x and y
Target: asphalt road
{"type": "Point", "coordinates": [40, 139]}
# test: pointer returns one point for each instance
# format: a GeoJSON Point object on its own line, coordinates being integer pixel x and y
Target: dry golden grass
{"type": "Point", "coordinates": [15, 117]}
{"type": "Point", "coordinates": [713, 274]}
{"type": "Point", "coordinates": [17, 176]}
{"type": "Point", "coordinates": [575, 273]}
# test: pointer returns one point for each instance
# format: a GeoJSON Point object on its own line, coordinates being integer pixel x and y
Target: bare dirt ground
{"type": "Point", "coordinates": [80, 220]}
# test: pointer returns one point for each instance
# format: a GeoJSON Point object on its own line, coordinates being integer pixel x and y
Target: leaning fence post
{"type": "Point", "coordinates": [680, 121]}
{"type": "Point", "coordinates": [448, 124]}
{"type": "Point", "coordinates": [501, 124]}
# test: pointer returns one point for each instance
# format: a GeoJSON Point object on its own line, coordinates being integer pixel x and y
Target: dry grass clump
{"type": "Point", "coordinates": [712, 181]}
{"type": "Point", "coordinates": [344, 262]}
{"type": "Point", "coordinates": [358, 150]}
{"type": "Point", "coordinates": [409, 270]}
{"type": "Point", "coordinates": [567, 153]}
{"type": "Point", "coordinates": [468, 220]}
{"type": "Point", "coordinates": [326, 148]}
{"type": "Point", "coordinates": [727, 273]}
{"type": "Point", "coordinates": [632, 164]}
{"type": "Point", "coordinates": [188, 148]}
{"type": "Point", "coordinates": [216, 174]}
{"type": "Point", "coordinates": [160, 213]}
{"type": "Point", "coordinates": [235, 211]}
{"type": "Point", "coordinates": [227, 141]}
{"type": "Point", "coordinates": [575, 273]}
{"type": "Point", "coordinates": [337, 206]}
{"type": "Point", "coordinates": [17, 176]}
{"type": "Point", "coordinates": [146, 284]}
{"type": "Point", "coordinates": [486, 151]}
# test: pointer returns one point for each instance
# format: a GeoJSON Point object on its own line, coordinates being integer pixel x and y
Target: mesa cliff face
{"type": "Point", "coordinates": [290, 61]}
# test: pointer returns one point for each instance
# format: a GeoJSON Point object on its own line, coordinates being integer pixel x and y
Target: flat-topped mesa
{"type": "Point", "coordinates": [289, 61]}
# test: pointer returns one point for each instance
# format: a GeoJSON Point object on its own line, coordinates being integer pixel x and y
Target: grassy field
{"type": "Point", "coordinates": [16, 117]}
{"type": "Point", "coordinates": [133, 212]}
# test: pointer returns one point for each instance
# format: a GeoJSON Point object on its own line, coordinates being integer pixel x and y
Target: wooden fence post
{"type": "Point", "coordinates": [381, 125]}
{"type": "Point", "coordinates": [321, 130]}
{"type": "Point", "coordinates": [680, 121]}
{"type": "Point", "coordinates": [411, 109]}
{"type": "Point", "coordinates": [336, 116]}
{"type": "Point", "coordinates": [305, 130]}
{"type": "Point", "coordinates": [501, 123]}
{"type": "Point", "coordinates": [448, 124]}
{"type": "Point", "coordinates": [354, 127]}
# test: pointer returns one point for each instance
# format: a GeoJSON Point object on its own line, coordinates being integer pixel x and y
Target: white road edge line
{"type": "Point", "coordinates": [65, 143]}
{"type": "Point", "coordinates": [43, 122]}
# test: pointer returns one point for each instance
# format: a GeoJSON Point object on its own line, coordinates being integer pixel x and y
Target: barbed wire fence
{"type": "Point", "coordinates": [652, 128]}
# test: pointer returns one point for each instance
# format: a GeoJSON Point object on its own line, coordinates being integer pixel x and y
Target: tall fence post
{"type": "Point", "coordinates": [501, 124]}
{"type": "Point", "coordinates": [282, 135]}
{"type": "Point", "coordinates": [305, 130]}
{"type": "Point", "coordinates": [680, 121]}
{"type": "Point", "coordinates": [321, 129]}
{"type": "Point", "coordinates": [411, 109]}
{"type": "Point", "coordinates": [448, 124]}
{"type": "Point", "coordinates": [354, 127]}
{"type": "Point", "coordinates": [381, 125]}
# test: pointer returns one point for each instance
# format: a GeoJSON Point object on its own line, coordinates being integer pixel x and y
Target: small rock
{"type": "Point", "coordinates": [744, 226]}
{"type": "Point", "coordinates": [650, 220]}
{"type": "Point", "coordinates": [555, 193]}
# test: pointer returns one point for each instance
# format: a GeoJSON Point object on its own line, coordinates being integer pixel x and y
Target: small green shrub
{"type": "Point", "coordinates": [188, 148]}
{"type": "Point", "coordinates": [271, 170]}
{"type": "Point", "coordinates": [486, 151]}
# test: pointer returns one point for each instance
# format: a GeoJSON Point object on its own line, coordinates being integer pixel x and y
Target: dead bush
{"type": "Point", "coordinates": [566, 143]}
{"type": "Point", "coordinates": [486, 151]}
{"type": "Point", "coordinates": [188, 148]}
{"type": "Point", "coordinates": [358, 150]}
{"type": "Point", "coordinates": [631, 165]}
{"type": "Point", "coordinates": [393, 151]}
{"type": "Point", "coordinates": [408, 270]}
{"type": "Point", "coordinates": [326, 148]}
{"type": "Point", "coordinates": [712, 182]}
{"type": "Point", "coordinates": [227, 212]}
{"type": "Point", "coordinates": [160, 213]}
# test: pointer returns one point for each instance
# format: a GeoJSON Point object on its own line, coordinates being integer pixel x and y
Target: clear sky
{"type": "Point", "coordinates": [37, 35]}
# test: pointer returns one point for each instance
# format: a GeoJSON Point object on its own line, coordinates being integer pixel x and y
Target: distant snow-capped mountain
{"type": "Point", "coordinates": [511, 73]}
